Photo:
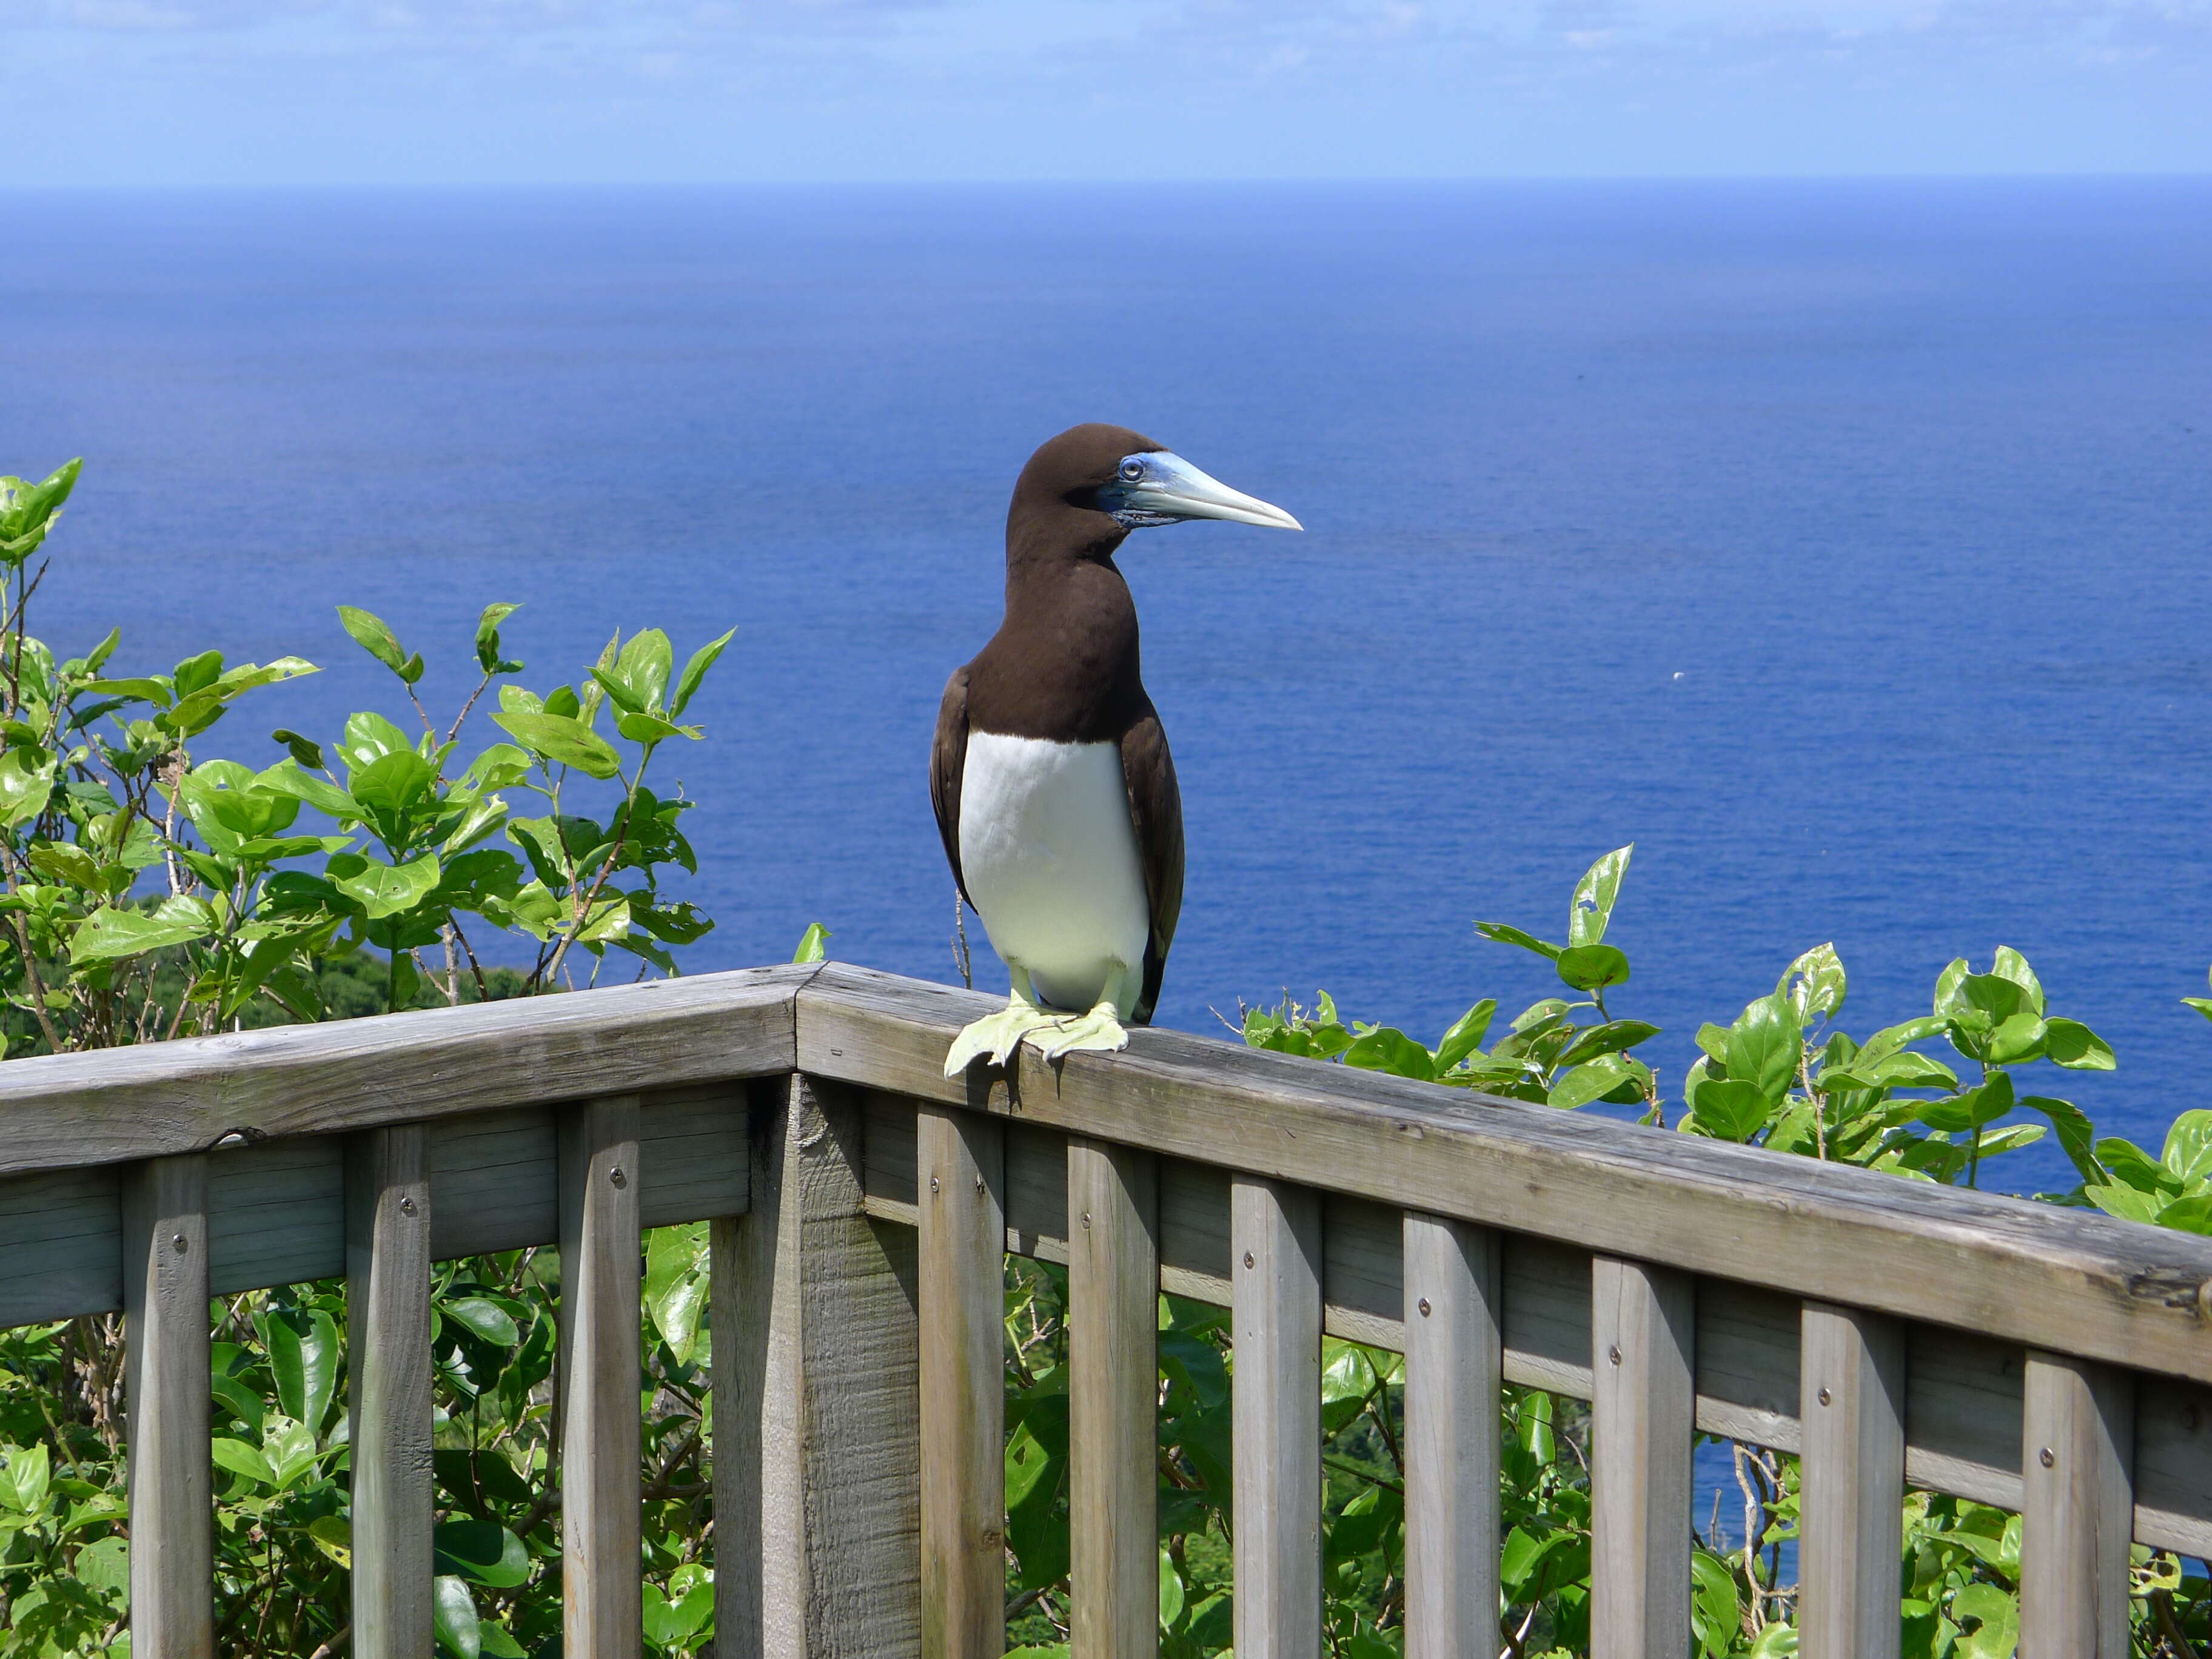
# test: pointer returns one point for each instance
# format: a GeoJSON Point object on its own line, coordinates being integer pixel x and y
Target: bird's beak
{"type": "Point", "coordinates": [1171, 490]}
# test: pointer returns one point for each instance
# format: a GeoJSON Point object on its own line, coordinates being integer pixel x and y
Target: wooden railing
{"type": "Point", "coordinates": [2045, 1360]}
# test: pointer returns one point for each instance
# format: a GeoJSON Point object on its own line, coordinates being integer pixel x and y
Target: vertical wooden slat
{"type": "Point", "coordinates": [165, 1299]}
{"type": "Point", "coordinates": [1275, 1249]}
{"type": "Point", "coordinates": [1642, 1421]}
{"type": "Point", "coordinates": [1454, 1358]}
{"type": "Point", "coordinates": [960, 1169]}
{"type": "Point", "coordinates": [388, 1361]}
{"type": "Point", "coordinates": [2078, 1507]}
{"type": "Point", "coordinates": [816, 1454]}
{"type": "Point", "coordinates": [1851, 1533]}
{"type": "Point", "coordinates": [602, 1585]}
{"type": "Point", "coordinates": [1113, 1279]}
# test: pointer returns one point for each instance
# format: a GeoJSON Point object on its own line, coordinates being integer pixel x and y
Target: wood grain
{"type": "Point", "coordinates": [1113, 1367]}
{"type": "Point", "coordinates": [1851, 1528]}
{"type": "Point", "coordinates": [962, 1237]}
{"type": "Point", "coordinates": [166, 1389]}
{"type": "Point", "coordinates": [1642, 1422]}
{"type": "Point", "coordinates": [1274, 1237]}
{"type": "Point", "coordinates": [598, 1445]}
{"type": "Point", "coordinates": [387, 1220]}
{"type": "Point", "coordinates": [2067, 1280]}
{"type": "Point", "coordinates": [2079, 1421]}
{"type": "Point", "coordinates": [66, 1111]}
{"type": "Point", "coordinates": [817, 1452]}
{"type": "Point", "coordinates": [1454, 1369]}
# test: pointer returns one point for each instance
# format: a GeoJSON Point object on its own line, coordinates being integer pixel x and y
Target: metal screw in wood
{"type": "Point", "coordinates": [1425, 1306]}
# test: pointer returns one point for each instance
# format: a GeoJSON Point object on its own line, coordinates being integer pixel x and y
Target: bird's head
{"type": "Point", "coordinates": [1135, 482]}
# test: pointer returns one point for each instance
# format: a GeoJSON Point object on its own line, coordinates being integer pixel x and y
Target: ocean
{"type": "Point", "coordinates": [1841, 545]}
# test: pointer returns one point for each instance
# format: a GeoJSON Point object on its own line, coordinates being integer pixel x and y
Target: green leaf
{"type": "Point", "coordinates": [287, 777]}
{"type": "Point", "coordinates": [369, 737]}
{"type": "Point", "coordinates": [482, 1319]}
{"type": "Point", "coordinates": [158, 691]}
{"type": "Point", "coordinates": [1813, 985]}
{"type": "Point", "coordinates": [2075, 1046]}
{"type": "Point", "coordinates": [1466, 1035]}
{"type": "Point", "coordinates": [1970, 1109]}
{"type": "Point", "coordinates": [2076, 1134]}
{"type": "Point", "coordinates": [454, 1617]}
{"type": "Point", "coordinates": [2010, 964]}
{"type": "Point", "coordinates": [26, 785]}
{"type": "Point", "coordinates": [389, 789]}
{"type": "Point", "coordinates": [1387, 1049]}
{"type": "Point", "coordinates": [487, 640]}
{"type": "Point", "coordinates": [564, 741]}
{"type": "Point", "coordinates": [107, 935]}
{"type": "Point", "coordinates": [1505, 935]}
{"type": "Point", "coordinates": [1591, 908]}
{"type": "Point", "coordinates": [1593, 1080]}
{"type": "Point", "coordinates": [25, 1475]}
{"type": "Point", "coordinates": [2188, 1151]}
{"type": "Point", "coordinates": [651, 728]}
{"type": "Point", "coordinates": [371, 633]}
{"type": "Point", "coordinates": [1765, 1046]}
{"type": "Point", "coordinates": [196, 674]}
{"type": "Point", "coordinates": [695, 671]}
{"type": "Point", "coordinates": [304, 751]}
{"type": "Point", "coordinates": [1614, 1036]}
{"type": "Point", "coordinates": [2018, 1039]}
{"type": "Point", "coordinates": [813, 943]}
{"type": "Point", "coordinates": [2202, 1005]}
{"type": "Point", "coordinates": [1988, 1622]}
{"type": "Point", "coordinates": [241, 1459]}
{"type": "Point", "coordinates": [1730, 1109]}
{"type": "Point", "coordinates": [1172, 1594]}
{"type": "Point", "coordinates": [304, 1356]}
{"type": "Point", "coordinates": [483, 1551]}
{"type": "Point", "coordinates": [2192, 1214]}
{"type": "Point", "coordinates": [380, 888]}
{"type": "Point", "coordinates": [1592, 967]}
{"type": "Point", "coordinates": [2124, 1201]}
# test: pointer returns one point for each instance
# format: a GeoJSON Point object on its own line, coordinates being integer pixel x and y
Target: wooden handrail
{"type": "Point", "coordinates": [2045, 1359]}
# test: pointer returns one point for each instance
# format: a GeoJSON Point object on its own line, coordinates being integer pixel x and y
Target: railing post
{"type": "Point", "coordinates": [960, 1172]}
{"type": "Point", "coordinates": [167, 1387]}
{"type": "Point", "coordinates": [1453, 1372]}
{"type": "Point", "coordinates": [1275, 1251]}
{"type": "Point", "coordinates": [602, 1498]}
{"type": "Point", "coordinates": [816, 1458]}
{"type": "Point", "coordinates": [1851, 1529]}
{"type": "Point", "coordinates": [388, 1360]}
{"type": "Point", "coordinates": [1642, 1424]}
{"type": "Point", "coordinates": [1113, 1330]}
{"type": "Point", "coordinates": [2077, 1514]}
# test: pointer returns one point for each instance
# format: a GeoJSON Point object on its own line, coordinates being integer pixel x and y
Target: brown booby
{"type": "Point", "coordinates": [1054, 788]}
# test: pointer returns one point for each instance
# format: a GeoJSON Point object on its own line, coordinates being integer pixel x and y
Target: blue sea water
{"type": "Point", "coordinates": [1843, 545]}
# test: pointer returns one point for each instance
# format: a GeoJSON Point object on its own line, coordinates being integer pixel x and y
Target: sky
{"type": "Point", "coordinates": [139, 93]}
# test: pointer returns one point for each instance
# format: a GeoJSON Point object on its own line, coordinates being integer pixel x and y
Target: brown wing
{"type": "Point", "coordinates": [1156, 809]}
{"type": "Point", "coordinates": [948, 757]}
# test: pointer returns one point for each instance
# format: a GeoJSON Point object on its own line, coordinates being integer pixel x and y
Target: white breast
{"type": "Point", "coordinates": [1051, 861]}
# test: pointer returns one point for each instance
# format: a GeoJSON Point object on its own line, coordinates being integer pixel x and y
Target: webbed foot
{"type": "Point", "coordinates": [1098, 1032]}
{"type": "Point", "coordinates": [997, 1035]}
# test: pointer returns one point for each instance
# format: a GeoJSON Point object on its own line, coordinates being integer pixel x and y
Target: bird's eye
{"type": "Point", "coordinates": [1133, 470]}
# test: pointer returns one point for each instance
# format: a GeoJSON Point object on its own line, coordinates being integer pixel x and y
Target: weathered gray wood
{"type": "Point", "coordinates": [61, 1235]}
{"type": "Point", "coordinates": [1851, 1531]}
{"type": "Point", "coordinates": [165, 1289]}
{"type": "Point", "coordinates": [387, 1219]}
{"type": "Point", "coordinates": [1643, 1417]}
{"type": "Point", "coordinates": [64, 1111]}
{"type": "Point", "coordinates": [1274, 1235]}
{"type": "Point", "coordinates": [2070, 1280]}
{"type": "Point", "coordinates": [817, 1459]}
{"type": "Point", "coordinates": [2079, 1420]}
{"type": "Point", "coordinates": [602, 1585]}
{"type": "Point", "coordinates": [1112, 1371]}
{"type": "Point", "coordinates": [1453, 1372]}
{"type": "Point", "coordinates": [1963, 1417]}
{"type": "Point", "coordinates": [963, 1238]}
